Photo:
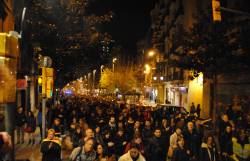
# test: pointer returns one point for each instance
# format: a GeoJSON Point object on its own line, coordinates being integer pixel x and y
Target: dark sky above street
{"type": "Point", "coordinates": [131, 20]}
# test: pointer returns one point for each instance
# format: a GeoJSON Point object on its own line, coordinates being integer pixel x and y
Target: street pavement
{"type": "Point", "coordinates": [32, 152]}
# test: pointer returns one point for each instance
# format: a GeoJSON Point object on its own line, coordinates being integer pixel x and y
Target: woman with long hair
{"type": "Point", "coordinates": [101, 152]}
{"type": "Point", "coordinates": [31, 127]}
{"type": "Point", "coordinates": [180, 153]}
{"type": "Point", "coordinates": [208, 150]}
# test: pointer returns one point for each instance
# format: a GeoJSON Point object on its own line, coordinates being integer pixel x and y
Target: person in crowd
{"type": "Point", "coordinates": [109, 143]}
{"type": "Point", "coordinates": [192, 141]}
{"type": "Point", "coordinates": [137, 140]}
{"type": "Point", "coordinates": [77, 136]}
{"type": "Point", "coordinates": [86, 152]}
{"type": "Point", "coordinates": [156, 148]}
{"type": "Point", "coordinates": [20, 124]}
{"type": "Point", "coordinates": [120, 142]}
{"type": "Point", "coordinates": [137, 128]}
{"type": "Point", "coordinates": [180, 152]}
{"type": "Point", "coordinates": [241, 146]}
{"type": "Point", "coordinates": [192, 108]}
{"type": "Point", "coordinates": [174, 137]}
{"type": "Point", "coordinates": [57, 127]}
{"type": "Point", "coordinates": [173, 142]}
{"type": "Point", "coordinates": [101, 153]}
{"type": "Point", "coordinates": [5, 145]}
{"type": "Point", "coordinates": [40, 122]}
{"type": "Point", "coordinates": [133, 154]}
{"type": "Point", "coordinates": [31, 127]}
{"type": "Point", "coordinates": [147, 131]}
{"type": "Point", "coordinates": [89, 133]}
{"type": "Point", "coordinates": [223, 122]}
{"type": "Point", "coordinates": [198, 110]}
{"type": "Point", "coordinates": [208, 151]}
{"type": "Point", "coordinates": [226, 144]}
{"type": "Point", "coordinates": [111, 127]}
{"type": "Point", "coordinates": [98, 135]}
{"type": "Point", "coordinates": [51, 147]}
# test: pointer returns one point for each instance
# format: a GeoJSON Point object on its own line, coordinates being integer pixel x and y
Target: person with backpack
{"type": "Point", "coordinates": [85, 152]}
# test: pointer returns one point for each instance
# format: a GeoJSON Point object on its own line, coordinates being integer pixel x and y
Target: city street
{"type": "Point", "coordinates": [125, 80]}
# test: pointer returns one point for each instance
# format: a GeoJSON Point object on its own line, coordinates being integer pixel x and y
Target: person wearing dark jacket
{"type": "Point", "coordinates": [120, 142]}
{"type": "Point", "coordinates": [31, 126]}
{"type": "Point", "coordinates": [156, 149]}
{"type": "Point", "coordinates": [51, 147]}
{"type": "Point", "coordinates": [147, 131]}
{"type": "Point", "coordinates": [208, 151]}
{"type": "Point", "coordinates": [20, 123]}
{"type": "Point", "coordinates": [192, 140]}
{"type": "Point", "coordinates": [226, 144]}
{"type": "Point", "coordinates": [77, 136]}
{"type": "Point", "coordinates": [180, 153]}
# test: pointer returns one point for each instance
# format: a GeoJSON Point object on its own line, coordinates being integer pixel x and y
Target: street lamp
{"type": "Point", "coordinates": [147, 69]}
{"type": "Point", "coordinates": [89, 75]}
{"type": "Point", "coordinates": [113, 61]}
{"type": "Point", "coordinates": [94, 71]}
{"type": "Point", "coordinates": [151, 53]}
{"type": "Point", "coordinates": [101, 68]}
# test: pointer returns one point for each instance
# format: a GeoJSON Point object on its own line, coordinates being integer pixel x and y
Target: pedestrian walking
{"type": "Point", "coordinates": [51, 147]}
{"type": "Point", "coordinates": [133, 154]}
{"type": "Point", "coordinates": [84, 153]}
{"type": "Point", "coordinates": [208, 150]}
{"type": "Point", "coordinates": [20, 124]}
{"type": "Point", "coordinates": [31, 127]}
{"type": "Point", "coordinates": [180, 152]}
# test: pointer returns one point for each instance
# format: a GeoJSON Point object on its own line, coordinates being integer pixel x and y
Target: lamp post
{"type": "Point", "coordinates": [89, 85]}
{"type": "Point", "coordinates": [28, 80]}
{"type": "Point", "coordinates": [113, 62]}
{"type": "Point", "coordinates": [94, 71]}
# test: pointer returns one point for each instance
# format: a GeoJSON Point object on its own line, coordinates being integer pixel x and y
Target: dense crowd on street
{"type": "Point", "coordinates": [99, 130]}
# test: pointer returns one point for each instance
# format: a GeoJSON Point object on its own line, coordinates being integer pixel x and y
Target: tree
{"type": "Point", "coordinates": [215, 48]}
{"type": "Point", "coordinates": [122, 79]}
{"type": "Point", "coordinates": [66, 32]}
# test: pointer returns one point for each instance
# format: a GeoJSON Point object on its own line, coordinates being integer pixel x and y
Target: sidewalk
{"type": "Point", "coordinates": [31, 152]}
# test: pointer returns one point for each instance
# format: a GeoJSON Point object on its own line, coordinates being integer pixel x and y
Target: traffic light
{"type": "Point", "coordinates": [216, 10]}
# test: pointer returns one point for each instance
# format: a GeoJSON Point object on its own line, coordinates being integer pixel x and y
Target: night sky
{"type": "Point", "coordinates": [131, 20]}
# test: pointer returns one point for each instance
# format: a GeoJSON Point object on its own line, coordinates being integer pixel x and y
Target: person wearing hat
{"type": "Point", "coordinates": [51, 147]}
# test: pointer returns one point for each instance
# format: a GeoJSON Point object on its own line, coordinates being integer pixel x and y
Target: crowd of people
{"type": "Point", "coordinates": [100, 130]}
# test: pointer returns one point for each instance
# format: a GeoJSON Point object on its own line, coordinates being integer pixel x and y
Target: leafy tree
{"type": "Point", "coordinates": [67, 32]}
{"type": "Point", "coordinates": [123, 79]}
{"type": "Point", "coordinates": [215, 48]}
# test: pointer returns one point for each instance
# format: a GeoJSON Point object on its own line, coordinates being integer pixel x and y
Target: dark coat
{"type": "Point", "coordinates": [76, 137]}
{"type": "Point", "coordinates": [20, 119]}
{"type": "Point", "coordinates": [146, 134]}
{"type": "Point", "coordinates": [180, 155]}
{"type": "Point", "coordinates": [204, 153]}
{"type": "Point", "coordinates": [50, 154]}
{"type": "Point", "coordinates": [31, 122]}
{"type": "Point", "coordinates": [156, 149]}
{"type": "Point", "coordinates": [192, 142]}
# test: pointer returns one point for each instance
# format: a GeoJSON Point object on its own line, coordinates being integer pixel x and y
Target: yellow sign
{"type": "Point", "coordinates": [216, 10]}
{"type": "Point", "coordinates": [47, 81]}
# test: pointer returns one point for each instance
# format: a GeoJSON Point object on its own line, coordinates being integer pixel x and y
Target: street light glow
{"type": "Point", "coordinates": [151, 53]}
{"type": "Point", "coordinates": [161, 78]}
{"type": "Point", "coordinates": [147, 69]}
{"type": "Point", "coordinates": [114, 60]}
